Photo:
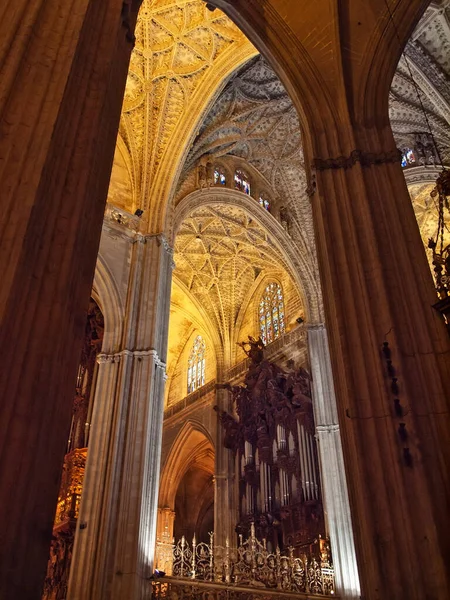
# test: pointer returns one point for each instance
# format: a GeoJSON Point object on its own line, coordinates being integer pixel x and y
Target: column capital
{"type": "Point", "coordinates": [139, 354]}
{"type": "Point", "coordinates": [315, 326]}
{"type": "Point", "coordinates": [330, 428]}
{"type": "Point", "coordinates": [161, 240]}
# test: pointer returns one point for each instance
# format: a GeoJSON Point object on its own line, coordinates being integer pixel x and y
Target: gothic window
{"type": "Point", "coordinates": [219, 176]}
{"type": "Point", "coordinates": [271, 313]}
{"type": "Point", "coordinates": [196, 365]}
{"type": "Point", "coordinates": [241, 182]}
{"type": "Point", "coordinates": [408, 157]}
{"type": "Point", "coordinates": [264, 203]}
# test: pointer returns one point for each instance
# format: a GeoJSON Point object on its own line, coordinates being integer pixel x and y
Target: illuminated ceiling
{"type": "Point", "coordinates": [254, 119]}
{"type": "Point", "coordinates": [427, 66]}
{"type": "Point", "coordinates": [220, 253]}
{"type": "Point", "coordinates": [183, 52]}
{"type": "Point", "coordinates": [175, 112]}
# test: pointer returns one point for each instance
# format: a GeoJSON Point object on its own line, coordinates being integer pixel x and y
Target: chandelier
{"type": "Point", "coordinates": [440, 250]}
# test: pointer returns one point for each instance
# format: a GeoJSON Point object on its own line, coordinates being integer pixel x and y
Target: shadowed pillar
{"type": "Point", "coordinates": [114, 552]}
{"type": "Point", "coordinates": [225, 497]}
{"type": "Point", "coordinates": [63, 71]}
{"type": "Point", "coordinates": [334, 481]}
{"type": "Point", "coordinates": [390, 357]}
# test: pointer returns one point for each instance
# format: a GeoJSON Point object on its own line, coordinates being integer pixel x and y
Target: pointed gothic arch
{"type": "Point", "coordinates": [299, 269]}
{"type": "Point", "coordinates": [192, 442]}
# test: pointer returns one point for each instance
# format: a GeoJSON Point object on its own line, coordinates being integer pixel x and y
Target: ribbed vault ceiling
{"type": "Point", "coordinates": [220, 251]}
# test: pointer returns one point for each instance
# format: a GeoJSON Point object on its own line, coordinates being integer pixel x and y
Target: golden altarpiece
{"type": "Point", "coordinates": [67, 511]}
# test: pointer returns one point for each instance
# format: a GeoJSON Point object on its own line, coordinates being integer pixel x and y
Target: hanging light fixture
{"type": "Point", "coordinates": [440, 250]}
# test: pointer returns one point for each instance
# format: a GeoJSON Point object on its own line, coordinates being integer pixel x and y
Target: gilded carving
{"type": "Point", "coordinates": [178, 44]}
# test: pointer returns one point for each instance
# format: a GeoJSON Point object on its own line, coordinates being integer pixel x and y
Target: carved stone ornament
{"type": "Point", "coordinates": [271, 432]}
{"type": "Point", "coordinates": [366, 159]}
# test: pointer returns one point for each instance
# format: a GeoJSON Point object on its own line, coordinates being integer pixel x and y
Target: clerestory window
{"type": "Point", "coordinates": [219, 176]}
{"type": "Point", "coordinates": [271, 313]}
{"type": "Point", "coordinates": [242, 182]}
{"type": "Point", "coordinates": [196, 365]}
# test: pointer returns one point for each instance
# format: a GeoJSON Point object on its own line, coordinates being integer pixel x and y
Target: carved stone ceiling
{"type": "Point", "coordinates": [219, 254]}
{"type": "Point", "coordinates": [254, 119]}
{"type": "Point", "coordinates": [180, 45]}
{"type": "Point", "coordinates": [427, 66]}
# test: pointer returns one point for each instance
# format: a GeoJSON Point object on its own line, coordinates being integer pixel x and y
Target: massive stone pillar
{"type": "Point", "coordinates": [63, 71]}
{"type": "Point", "coordinates": [114, 547]}
{"type": "Point", "coordinates": [390, 360]}
{"type": "Point", "coordinates": [334, 482]}
{"type": "Point", "coordinates": [225, 492]}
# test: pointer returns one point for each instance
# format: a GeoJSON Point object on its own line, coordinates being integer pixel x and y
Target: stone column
{"type": "Point", "coordinates": [114, 546]}
{"type": "Point", "coordinates": [334, 483]}
{"type": "Point", "coordinates": [225, 494]}
{"type": "Point", "coordinates": [63, 72]}
{"type": "Point", "coordinates": [390, 356]}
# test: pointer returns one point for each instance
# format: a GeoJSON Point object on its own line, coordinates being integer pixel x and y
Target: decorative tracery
{"type": "Point", "coordinates": [271, 313]}
{"type": "Point", "coordinates": [241, 182]}
{"type": "Point", "coordinates": [196, 365]}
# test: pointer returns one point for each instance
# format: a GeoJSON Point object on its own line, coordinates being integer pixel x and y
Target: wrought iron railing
{"type": "Point", "coordinates": [195, 561]}
{"type": "Point", "coordinates": [251, 564]}
{"type": "Point", "coordinates": [185, 589]}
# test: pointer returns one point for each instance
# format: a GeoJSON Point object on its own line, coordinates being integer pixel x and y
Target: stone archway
{"type": "Point", "coordinates": [296, 262]}
{"type": "Point", "coordinates": [186, 490]}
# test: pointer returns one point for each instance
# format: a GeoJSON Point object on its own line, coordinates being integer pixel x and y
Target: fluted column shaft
{"type": "Point", "coordinates": [377, 288]}
{"type": "Point", "coordinates": [334, 483]}
{"type": "Point", "coordinates": [114, 550]}
{"type": "Point", "coordinates": [225, 497]}
{"type": "Point", "coordinates": [63, 70]}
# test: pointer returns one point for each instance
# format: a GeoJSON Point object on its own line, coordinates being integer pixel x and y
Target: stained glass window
{"type": "Point", "coordinates": [241, 182]}
{"type": "Point", "coordinates": [264, 203]}
{"type": "Point", "coordinates": [196, 365]}
{"type": "Point", "coordinates": [408, 157]}
{"type": "Point", "coordinates": [219, 176]}
{"type": "Point", "coordinates": [271, 313]}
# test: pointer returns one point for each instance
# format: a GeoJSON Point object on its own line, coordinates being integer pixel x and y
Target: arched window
{"type": "Point", "coordinates": [219, 176]}
{"type": "Point", "coordinates": [196, 365]}
{"type": "Point", "coordinates": [271, 313]}
{"type": "Point", "coordinates": [408, 157]}
{"type": "Point", "coordinates": [241, 182]}
{"type": "Point", "coordinates": [264, 203]}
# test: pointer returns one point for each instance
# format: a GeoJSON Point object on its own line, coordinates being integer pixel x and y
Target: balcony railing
{"type": "Point", "coordinates": [169, 588]}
